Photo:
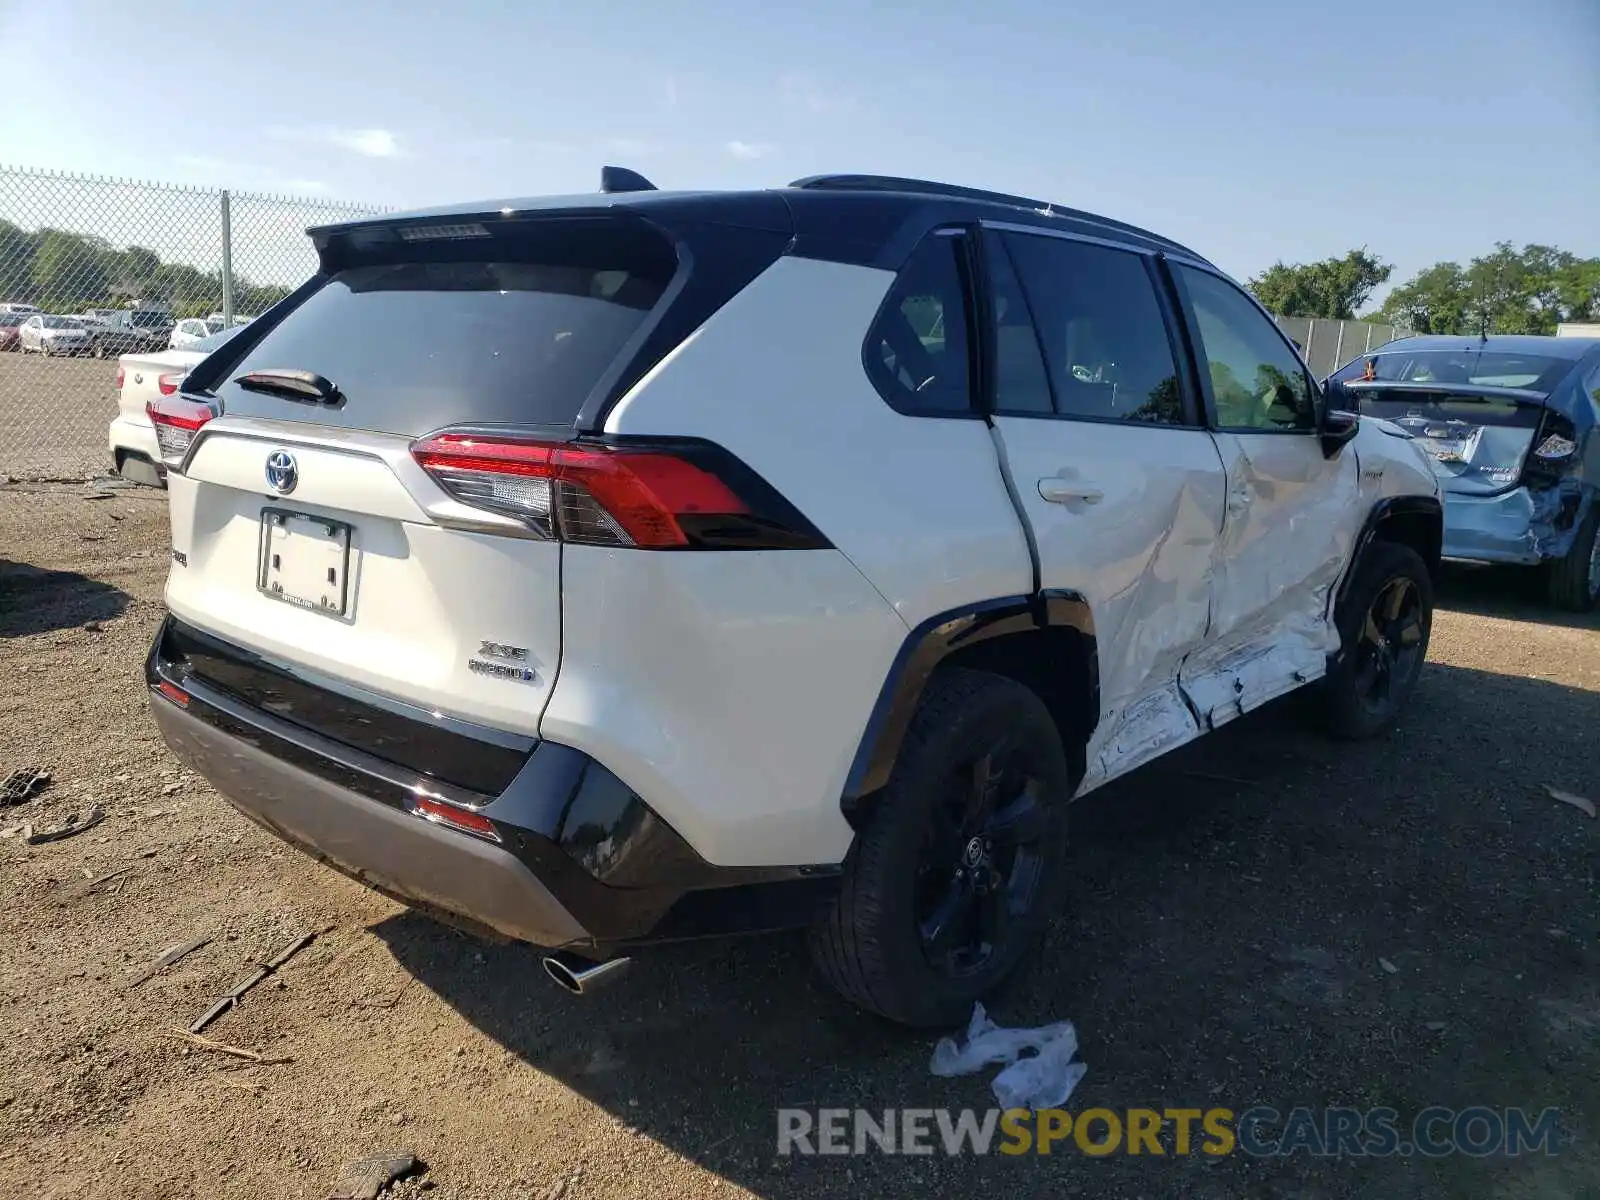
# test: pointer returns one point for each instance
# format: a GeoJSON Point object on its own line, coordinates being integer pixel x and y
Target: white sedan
{"type": "Point", "coordinates": [142, 377]}
{"type": "Point", "coordinates": [46, 334]}
{"type": "Point", "coordinates": [188, 332]}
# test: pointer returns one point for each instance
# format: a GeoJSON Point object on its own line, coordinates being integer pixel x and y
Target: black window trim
{"type": "Point", "coordinates": [1197, 352]}
{"type": "Point", "coordinates": [1182, 364]}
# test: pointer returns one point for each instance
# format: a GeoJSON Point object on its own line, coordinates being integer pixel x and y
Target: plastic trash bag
{"type": "Point", "coordinates": [1039, 1071]}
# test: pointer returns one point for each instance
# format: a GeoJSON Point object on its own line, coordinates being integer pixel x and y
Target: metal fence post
{"type": "Point", "coordinates": [1338, 349]}
{"type": "Point", "coordinates": [227, 263]}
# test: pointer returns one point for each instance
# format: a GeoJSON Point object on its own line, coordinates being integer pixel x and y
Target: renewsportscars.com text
{"type": "Point", "coordinates": [1260, 1131]}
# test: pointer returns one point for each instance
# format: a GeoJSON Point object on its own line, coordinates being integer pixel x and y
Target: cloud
{"type": "Point", "coordinates": [804, 91]}
{"type": "Point", "coordinates": [372, 143]}
{"type": "Point", "coordinates": [748, 150]}
{"type": "Point", "coordinates": [638, 147]}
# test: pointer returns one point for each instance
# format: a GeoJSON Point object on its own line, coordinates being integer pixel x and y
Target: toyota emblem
{"type": "Point", "coordinates": [282, 474]}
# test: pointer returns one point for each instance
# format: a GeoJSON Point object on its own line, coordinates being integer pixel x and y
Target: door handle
{"type": "Point", "coordinates": [1058, 491]}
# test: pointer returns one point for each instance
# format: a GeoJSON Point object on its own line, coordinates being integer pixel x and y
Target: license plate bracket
{"type": "Point", "coordinates": [305, 561]}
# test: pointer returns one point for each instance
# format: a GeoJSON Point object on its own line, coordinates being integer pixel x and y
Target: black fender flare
{"type": "Point", "coordinates": [935, 640]}
{"type": "Point", "coordinates": [1428, 507]}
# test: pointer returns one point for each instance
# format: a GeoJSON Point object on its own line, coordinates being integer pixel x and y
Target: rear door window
{"type": "Point", "coordinates": [1101, 328]}
{"type": "Point", "coordinates": [513, 328]}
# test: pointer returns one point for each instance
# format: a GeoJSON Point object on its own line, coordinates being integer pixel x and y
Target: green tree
{"type": "Point", "coordinates": [1435, 300]}
{"type": "Point", "coordinates": [16, 263]}
{"type": "Point", "coordinates": [1334, 287]}
{"type": "Point", "coordinates": [1508, 290]}
{"type": "Point", "coordinates": [68, 271]}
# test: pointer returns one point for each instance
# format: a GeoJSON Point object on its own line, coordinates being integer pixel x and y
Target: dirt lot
{"type": "Point", "coordinates": [53, 416]}
{"type": "Point", "coordinates": [1221, 947]}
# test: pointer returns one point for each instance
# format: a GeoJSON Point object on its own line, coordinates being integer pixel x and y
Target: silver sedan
{"type": "Point", "coordinates": [45, 334]}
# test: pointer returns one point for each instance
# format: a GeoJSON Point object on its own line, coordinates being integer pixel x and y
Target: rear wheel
{"type": "Point", "coordinates": [952, 879]}
{"type": "Point", "coordinates": [1384, 622]}
{"type": "Point", "coordinates": [1574, 579]}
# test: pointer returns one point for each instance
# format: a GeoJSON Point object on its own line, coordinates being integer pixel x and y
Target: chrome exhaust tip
{"type": "Point", "coordinates": [581, 977]}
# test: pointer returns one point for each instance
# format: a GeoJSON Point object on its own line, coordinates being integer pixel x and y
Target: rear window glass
{"type": "Point", "coordinates": [1481, 368]}
{"type": "Point", "coordinates": [510, 329]}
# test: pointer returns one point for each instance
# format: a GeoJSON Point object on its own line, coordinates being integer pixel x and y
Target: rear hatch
{"type": "Point", "coordinates": [1475, 410]}
{"type": "Point", "coordinates": [1476, 440]}
{"type": "Point", "coordinates": [310, 527]}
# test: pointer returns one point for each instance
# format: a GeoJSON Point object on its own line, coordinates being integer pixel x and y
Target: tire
{"type": "Point", "coordinates": [1379, 661]}
{"type": "Point", "coordinates": [899, 939]}
{"type": "Point", "coordinates": [1573, 581]}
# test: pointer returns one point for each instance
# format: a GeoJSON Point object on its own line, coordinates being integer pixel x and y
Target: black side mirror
{"type": "Point", "coordinates": [1339, 425]}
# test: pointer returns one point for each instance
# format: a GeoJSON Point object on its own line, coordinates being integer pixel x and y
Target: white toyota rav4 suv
{"type": "Point", "coordinates": [620, 568]}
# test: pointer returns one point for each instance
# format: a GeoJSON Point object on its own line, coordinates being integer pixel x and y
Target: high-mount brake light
{"type": "Point", "coordinates": [177, 420]}
{"type": "Point", "coordinates": [650, 496]}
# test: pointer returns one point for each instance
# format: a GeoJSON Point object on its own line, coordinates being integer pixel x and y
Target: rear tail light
{"type": "Point", "coordinates": [168, 384]}
{"type": "Point", "coordinates": [1553, 455]}
{"type": "Point", "coordinates": [177, 420]}
{"type": "Point", "coordinates": [651, 495]}
{"type": "Point", "coordinates": [120, 376]}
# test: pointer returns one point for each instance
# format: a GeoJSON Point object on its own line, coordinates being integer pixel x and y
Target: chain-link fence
{"type": "Point", "coordinates": [1329, 344]}
{"type": "Point", "coordinates": [92, 268]}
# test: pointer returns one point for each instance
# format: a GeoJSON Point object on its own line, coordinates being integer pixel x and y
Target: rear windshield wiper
{"type": "Point", "coordinates": [304, 386]}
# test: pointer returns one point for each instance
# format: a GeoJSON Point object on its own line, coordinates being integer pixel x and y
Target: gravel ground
{"type": "Point", "coordinates": [1228, 942]}
{"type": "Point", "coordinates": [54, 414]}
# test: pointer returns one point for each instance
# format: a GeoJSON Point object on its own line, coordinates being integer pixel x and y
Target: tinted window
{"type": "Point", "coordinates": [515, 328]}
{"type": "Point", "coordinates": [1104, 340]}
{"type": "Point", "coordinates": [1257, 380]}
{"type": "Point", "coordinates": [1486, 368]}
{"type": "Point", "coordinates": [916, 351]}
{"type": "Point", "coordinates": [1020, 383]}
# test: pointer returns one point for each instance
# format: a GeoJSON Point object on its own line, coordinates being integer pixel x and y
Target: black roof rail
{"type": "Point", "coordinates": [896, 183]}
{"type": "Point", "coordinates": [927, 187]}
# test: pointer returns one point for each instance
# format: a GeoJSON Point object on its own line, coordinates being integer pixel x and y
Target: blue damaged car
{"type": "Point", "coordinates": [1509, 424]}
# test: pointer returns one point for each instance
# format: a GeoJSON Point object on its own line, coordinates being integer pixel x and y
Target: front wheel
{"type": "Point", "coordinates": [1384, 621]}
{"type": "Point", "coordinates": [952, 879]}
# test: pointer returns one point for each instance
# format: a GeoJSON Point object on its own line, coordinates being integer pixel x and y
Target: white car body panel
{"type": "Point", "coordinates": [422, 596]}
{"type": "Point", "coordinates": [131, 431]}
{"type": "Point", "coordinates": [731, 689]}
{"type": "Point", "coordinates": [776, 377]}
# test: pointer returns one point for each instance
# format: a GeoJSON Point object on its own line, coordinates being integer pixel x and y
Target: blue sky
{"type": "Point", "coordinates": [1252, 130]}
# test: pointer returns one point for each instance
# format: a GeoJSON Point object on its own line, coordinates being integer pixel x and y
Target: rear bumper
{"type": "Point", "coordinates": [577, 860]}
{"type": "Point", "coordinates": [386, 848]}
{"type": "Point", "coordinates": [1524, 526]}
{"type": "Point", "coordinates": [1493, 529]}
{"type": "Point", "coordinates": [132, 436]}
